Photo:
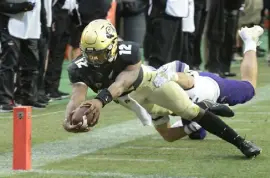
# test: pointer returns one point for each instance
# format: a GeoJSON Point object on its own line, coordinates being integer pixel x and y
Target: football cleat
{"type": "Point", "coordinates": [249, 149]}
{"type": "Point", "coordinates": [252, 33]}
{"type": "Point", "coordinates": [216, 108]}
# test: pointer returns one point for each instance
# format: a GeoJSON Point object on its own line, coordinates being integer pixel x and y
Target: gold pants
{"type": "Point", "coordinates": [167, 99]}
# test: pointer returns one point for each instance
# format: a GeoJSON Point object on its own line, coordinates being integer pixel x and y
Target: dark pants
{"type": "Point", "coordinates": [43, 47]}
{"type": "Point", "coordinates": [187, 53]}
{"type": "Point", "coordinates": [9, 58]}
{"type": "Point", "coordinates": [132, 28]}
{"type": "Point", "coordinates": [215, 34]}
{"type": "Point", "coordinates": [231, 24]}
{"type": "Point", "coordinates": [196, 37]}
{"type": "Point", "coordinates": [59, 40]}
{"type": "Point", "coordinates": [28, 70]}
{"type": "Point", "coordinates": [163, 40]}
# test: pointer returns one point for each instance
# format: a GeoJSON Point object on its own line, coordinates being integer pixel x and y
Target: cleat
{"type": "Point", "coordinates": [249, 149]}
{"type": "Point", "coordinates": [252, 33]}
{"type": "Point", "coordinates": [216, 108]}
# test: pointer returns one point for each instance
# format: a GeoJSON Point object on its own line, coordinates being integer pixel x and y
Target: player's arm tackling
{"type": "Point", "coordinates": [185, 81]}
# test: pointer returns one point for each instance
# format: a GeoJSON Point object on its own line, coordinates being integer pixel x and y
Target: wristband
{"type": "Point", "coordinates": [104, 96]}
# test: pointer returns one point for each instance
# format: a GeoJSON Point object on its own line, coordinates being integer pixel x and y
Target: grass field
{"type": "Point", "coordinates": [120, 147]}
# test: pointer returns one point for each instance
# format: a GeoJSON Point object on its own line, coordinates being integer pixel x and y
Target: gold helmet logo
{"type": "Point", "coordinates": [99, 42]}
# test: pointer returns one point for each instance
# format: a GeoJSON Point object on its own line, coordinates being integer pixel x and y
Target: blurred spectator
{"type": "Point", "coordinates": [88, 10]}
{"type": "Point", "coordinates": [130, 19]}
{"type": "Point", "coordinates": [59, 39]}
{"type": "Point", "coordinates": [221, 30]}
{"type": "Point", "coordinates": [9, 53]}
{"type": "Point", "coordinates": [231, 18]}
{"type": "Point", "coordinates": [46, 14]}
{"type": "Point", "coordinates": [196, 37]}
{"type": "Point", "coordinates": [92, 9]}
{"type": "Point", "coordinates": [188, 30]}
{"type": "Point", "coordinates": [163, 38]}
{"type": "Point", "coordinates": [266, 12]}
{"type": "Point", "coordinates": [26, 37]}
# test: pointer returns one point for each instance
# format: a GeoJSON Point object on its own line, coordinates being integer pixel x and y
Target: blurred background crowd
{"type": "Point", "coordinates": [36, 36]}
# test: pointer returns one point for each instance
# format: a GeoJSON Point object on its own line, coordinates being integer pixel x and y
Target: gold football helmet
{"type": "Point", "coordinates": [99, 42]}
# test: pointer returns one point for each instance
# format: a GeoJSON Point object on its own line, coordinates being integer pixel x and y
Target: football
{"type": "Point", "coordinates": [79, 116]}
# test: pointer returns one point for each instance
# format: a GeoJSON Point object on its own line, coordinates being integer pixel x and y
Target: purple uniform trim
{"type": "Point", "coordinates": [180, 66]}
{"type": "Point", "coordinates": [232, 92]}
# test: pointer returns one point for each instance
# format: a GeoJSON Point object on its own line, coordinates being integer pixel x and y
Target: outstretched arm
{"type": "Point", "coordinates": [79, 91]}
{"type": "Point", "coordinates": [122, 83]}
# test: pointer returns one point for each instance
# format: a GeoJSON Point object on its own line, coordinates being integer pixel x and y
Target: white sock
{"type": "Point", "coordinates": [250, 45]}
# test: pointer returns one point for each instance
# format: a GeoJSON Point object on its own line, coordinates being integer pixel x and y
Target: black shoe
{"type": "Point", "coordinates": [261, 49]}
{"type": "Point", "coordinates": [54, 96]}
{"type": "Point", "coordinates": [45, 98]}
{"type": "Point", "coordinates": [249, 149]}
{"type": "Point", "coordinates": [42, 101]}
{"type": "Point", "coordinates": [216, 108]}
{"type": "Point", "coordinates": [229, 74]}
{"type": "Point", "coordinates": [6, 108]}
{"type": "Point", "coordinates": [34, 104]}
{"type": "Point", "coordinates": [63, 94]}
{"type": "Point", "coordinates": [260, 54]}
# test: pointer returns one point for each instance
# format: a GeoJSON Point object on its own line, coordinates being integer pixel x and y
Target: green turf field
{"type": "Point", "coordinates": [120, 147]}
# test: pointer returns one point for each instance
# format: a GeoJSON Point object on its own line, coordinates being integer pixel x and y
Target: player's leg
{"type": "Point", "coordinates": [173, 97]}
{"type": "Point", "coordinates": [250, 37]}
{"type": "Point", "coordinates": [174, 132]}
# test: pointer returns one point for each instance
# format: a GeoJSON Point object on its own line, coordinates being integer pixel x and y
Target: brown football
{"type": "Point", "coordinates": [78, 114]}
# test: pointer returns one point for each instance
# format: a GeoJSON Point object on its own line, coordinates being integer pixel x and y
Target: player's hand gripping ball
{"type": "Point", "coordinates": [82, 114]}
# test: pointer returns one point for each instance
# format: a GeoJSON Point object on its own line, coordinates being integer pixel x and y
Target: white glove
{"type": "Point", "coordinates": [164, 76]}
{"type": "Point", "coordinates": [192, 127]}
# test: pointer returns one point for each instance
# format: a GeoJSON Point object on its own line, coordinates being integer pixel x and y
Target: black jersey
{"type": "Point", "coordinates": [128, 53]}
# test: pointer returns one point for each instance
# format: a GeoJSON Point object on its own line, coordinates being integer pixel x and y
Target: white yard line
{"type": "Point", "coordinates": [155, 148]}
{"type": "Point", "coordinates": [105, 174]}
{"type": "Point", "coordinates": [38, 115]}
{"type": "Point", "coordinates": [125, 159]}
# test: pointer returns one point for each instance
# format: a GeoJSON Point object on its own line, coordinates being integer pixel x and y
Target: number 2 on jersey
{"type": "Point", "coordinates": [125, 49]}
{"type": "Point", "coordinates": [81, 62]}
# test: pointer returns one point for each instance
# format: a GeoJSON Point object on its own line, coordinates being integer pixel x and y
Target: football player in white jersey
{"type": "Point", "coordinates": [208, 86]}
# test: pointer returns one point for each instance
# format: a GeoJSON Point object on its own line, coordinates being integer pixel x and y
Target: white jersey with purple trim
{"type": "Point", "coordinates": [204, 87]}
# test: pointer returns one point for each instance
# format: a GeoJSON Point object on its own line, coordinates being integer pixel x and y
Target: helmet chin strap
{"type": "Point", "coordinates": [112, 58]}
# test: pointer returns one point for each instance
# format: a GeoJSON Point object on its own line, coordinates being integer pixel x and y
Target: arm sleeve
{"type": "Point", "coordinates": [73, 75]}
{"type": "Point", "coordinates": [12, 8]}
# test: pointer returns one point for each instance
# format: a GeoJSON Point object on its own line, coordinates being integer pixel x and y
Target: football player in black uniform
{"type": "Point", "coordinates": [114, 69]}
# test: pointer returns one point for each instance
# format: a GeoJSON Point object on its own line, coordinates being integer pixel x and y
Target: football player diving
{"type": "Point", "coordinates": [114, 69]}
{"type": "Point", "coordinates": [208, 86]}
